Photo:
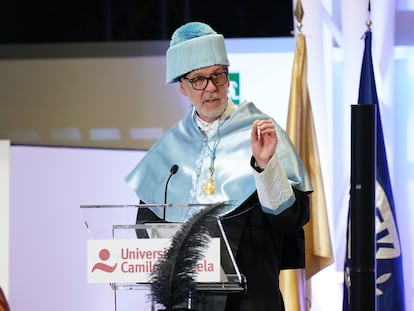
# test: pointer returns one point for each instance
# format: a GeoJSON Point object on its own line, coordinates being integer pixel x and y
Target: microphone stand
{"type": "Point", "coordinates": [173, 170]}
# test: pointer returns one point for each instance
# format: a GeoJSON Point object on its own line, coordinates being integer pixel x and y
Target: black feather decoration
{"type": "Point", "coordinates": [173, 277]}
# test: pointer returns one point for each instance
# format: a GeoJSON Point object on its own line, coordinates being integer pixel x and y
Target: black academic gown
{"type": "Point", "coordinates": [263, 244]}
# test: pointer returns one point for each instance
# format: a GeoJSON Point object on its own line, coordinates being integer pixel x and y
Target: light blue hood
{"type": "Point", "coordinates": [186, 146]}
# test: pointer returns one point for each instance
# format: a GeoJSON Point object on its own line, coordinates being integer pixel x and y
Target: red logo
{"type": "Point", "coordinates": [104, 255]}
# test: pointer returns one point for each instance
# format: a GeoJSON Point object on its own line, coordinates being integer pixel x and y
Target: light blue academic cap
{"type": "Point", "coordinates": [193, 46]}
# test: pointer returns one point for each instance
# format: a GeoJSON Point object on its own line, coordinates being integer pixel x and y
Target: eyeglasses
{"type": "Point", "coordinates": [200, 83]}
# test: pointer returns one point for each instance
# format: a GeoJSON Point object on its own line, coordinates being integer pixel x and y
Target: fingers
{"type": "Point", "coordinates": [264, 141]}
{"type": "Point", "coordinates": [262, 128]}
{"type": "Point", "coordinates": [255, 133]}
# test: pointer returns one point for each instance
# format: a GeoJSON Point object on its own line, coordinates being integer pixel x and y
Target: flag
{"type": "Point", "coordinates": [300, 128]}
{"type": "Point", "coordinates": [388, 257]}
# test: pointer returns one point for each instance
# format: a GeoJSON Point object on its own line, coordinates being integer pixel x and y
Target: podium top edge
{"type": "Point", "coordinates": [155, 205]}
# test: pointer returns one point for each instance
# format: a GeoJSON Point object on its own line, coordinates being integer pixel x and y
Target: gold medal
{"type": "Point", "coordinates": [210, 187]}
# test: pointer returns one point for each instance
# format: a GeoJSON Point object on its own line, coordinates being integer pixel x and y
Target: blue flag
{"type": "Point", "coordinates": [389, 273]}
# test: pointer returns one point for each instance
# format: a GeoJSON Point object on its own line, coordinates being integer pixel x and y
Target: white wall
{"type": "Point", "coordinates": [48, 236]}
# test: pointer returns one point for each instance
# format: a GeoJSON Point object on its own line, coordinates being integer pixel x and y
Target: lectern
{"type": "Point", "coordinates": [123, 253]}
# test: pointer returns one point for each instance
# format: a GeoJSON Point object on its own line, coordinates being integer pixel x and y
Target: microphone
{"type": "Point", "coordinates": [173, 170]}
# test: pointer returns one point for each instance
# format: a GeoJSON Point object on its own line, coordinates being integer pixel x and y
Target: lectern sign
{"type": "Point", "coordinates": [118, 261]}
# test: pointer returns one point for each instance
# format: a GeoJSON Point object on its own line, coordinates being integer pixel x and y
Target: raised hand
{"type": "Point", "coordinates": [264, 141]}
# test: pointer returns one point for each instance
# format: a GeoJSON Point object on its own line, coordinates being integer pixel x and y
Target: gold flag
{"type": "Point", "coordinates": [300, 128]}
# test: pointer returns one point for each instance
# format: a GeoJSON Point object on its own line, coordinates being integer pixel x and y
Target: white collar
{"type": "Point", "coordinates": [209, 128]}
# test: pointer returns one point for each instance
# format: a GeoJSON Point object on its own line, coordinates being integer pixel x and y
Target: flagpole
{"type": "Point", "coordinates": [295, 285]}
{"type": "Point", "coordinates": [373, 265]}
{"type": "Point", "coordinates": [292, 281]}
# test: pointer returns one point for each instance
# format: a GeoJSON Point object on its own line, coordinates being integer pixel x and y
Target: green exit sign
{"type": "Point", "coordinates": [234, 88]}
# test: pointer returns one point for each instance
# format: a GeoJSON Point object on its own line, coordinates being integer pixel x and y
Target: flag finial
{"type": "Point", "coordinates": [299, 14]}
{"type": "Point", "coordinates": [369, 22]}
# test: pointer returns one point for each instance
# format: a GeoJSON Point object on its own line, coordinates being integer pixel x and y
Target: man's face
{"type": "Point", "coordinates": [211, 102]}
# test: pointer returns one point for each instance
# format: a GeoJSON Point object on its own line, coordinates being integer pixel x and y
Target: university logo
{"type": "Point", "coordinates": [104, 255]}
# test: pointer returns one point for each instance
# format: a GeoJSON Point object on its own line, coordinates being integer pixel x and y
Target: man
{"type": "Point", "coordinates": [229, 153]}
